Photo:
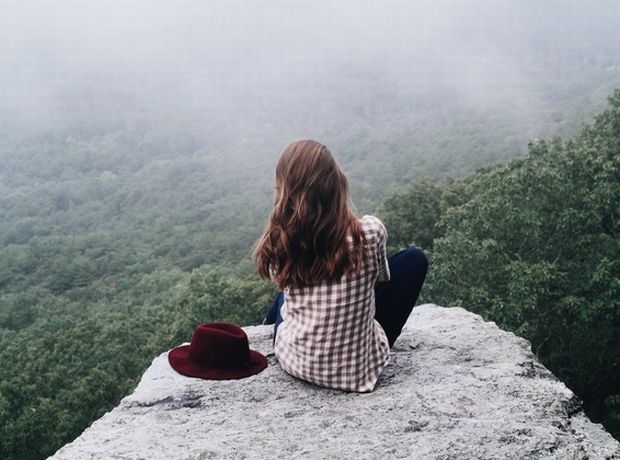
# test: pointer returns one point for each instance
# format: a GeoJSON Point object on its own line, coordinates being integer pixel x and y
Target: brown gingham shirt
{"type": "Point", "coordinates": [329, 335]}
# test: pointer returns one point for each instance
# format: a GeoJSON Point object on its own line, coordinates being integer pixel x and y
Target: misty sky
{"type": "Point", "coordinates": [298, 68]}
{"type": "Point", "coordinates": [236, 41]}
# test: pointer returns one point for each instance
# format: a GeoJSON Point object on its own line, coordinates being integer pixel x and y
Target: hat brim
{"type": "Point", "coordinates": [179, 360]}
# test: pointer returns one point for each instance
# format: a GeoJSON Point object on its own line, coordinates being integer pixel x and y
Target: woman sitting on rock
{"type": "Point", "coordinates": [343, 302]}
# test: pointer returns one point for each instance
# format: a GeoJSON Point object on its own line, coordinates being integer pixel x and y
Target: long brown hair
{"type": "Point", "coordinates": [304, 241]}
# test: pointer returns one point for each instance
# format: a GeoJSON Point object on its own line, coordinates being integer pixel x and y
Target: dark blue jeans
{"type": "Point", "coordinates": [394, 299]}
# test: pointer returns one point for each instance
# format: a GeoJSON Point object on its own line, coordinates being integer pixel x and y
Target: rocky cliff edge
{"type": "Point", "coordinates": [456, 387]}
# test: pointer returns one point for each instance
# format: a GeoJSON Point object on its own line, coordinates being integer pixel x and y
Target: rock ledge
{"type": "Point", "coordinates": [456, 387]}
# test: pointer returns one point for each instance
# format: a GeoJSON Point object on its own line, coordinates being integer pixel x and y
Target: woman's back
{"type": "Point", "coordinates": [329, 335]}
{"type": "Point", "coordinates": [335, 320]}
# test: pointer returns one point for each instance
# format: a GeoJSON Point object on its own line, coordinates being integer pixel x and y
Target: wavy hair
{"type": "Point", "coordinates": [304, 241]}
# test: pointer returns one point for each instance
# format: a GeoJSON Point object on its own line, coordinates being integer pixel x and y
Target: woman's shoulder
{"type": "Point", "coordinates": [373, 225]}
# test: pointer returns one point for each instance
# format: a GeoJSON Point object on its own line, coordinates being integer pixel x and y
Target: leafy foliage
{"type": "Point", "coordinates": [119, 233]}
{"type": "Point", "coordinates": [412, 216]}
{"type": "Point", "coordinates": [534, 245]}
{"type": "Point", "coordinates": [211, 294]}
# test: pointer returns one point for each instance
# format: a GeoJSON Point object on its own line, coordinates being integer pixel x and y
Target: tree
{"type": "Point", "coordinates": [411, 216]}
{"type": "Point", "coordinates": [534, 246]}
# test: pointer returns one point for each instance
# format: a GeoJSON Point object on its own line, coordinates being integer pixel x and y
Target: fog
{"type": "Point", "coordinates": [250, 76]}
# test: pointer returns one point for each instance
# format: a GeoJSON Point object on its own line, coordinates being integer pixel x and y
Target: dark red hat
{"type": "Point", "coordinates": [218, 351]}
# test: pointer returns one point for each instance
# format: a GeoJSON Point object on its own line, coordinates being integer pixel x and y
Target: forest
{"type": "Point", "coordinates": [531, 243]}
{"type": "Point", "coordinates": [137, 162]}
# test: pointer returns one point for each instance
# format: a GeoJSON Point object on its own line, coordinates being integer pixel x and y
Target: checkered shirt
{"type": "Point", "coordinates": [329, 335]}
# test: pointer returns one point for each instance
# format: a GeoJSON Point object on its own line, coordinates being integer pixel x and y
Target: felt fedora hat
{"type": "Point", "coordinates": [218, 351]}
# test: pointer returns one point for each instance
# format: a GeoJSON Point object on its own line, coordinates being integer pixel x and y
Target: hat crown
{"type": "Point", "coordinates": [220, 345]}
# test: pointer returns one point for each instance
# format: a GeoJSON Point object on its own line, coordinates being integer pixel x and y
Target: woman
{"type": "Point", "coordinates": [339, 311]}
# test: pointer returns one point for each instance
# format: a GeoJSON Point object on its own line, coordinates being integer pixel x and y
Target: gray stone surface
{"type": "Point", "coordinates": [456, 388]}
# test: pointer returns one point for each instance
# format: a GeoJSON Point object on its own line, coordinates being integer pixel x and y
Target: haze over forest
{"type": "Point", "coordinates": [434, 88]}
{"type": "Point", "coordinates": [236, 81]}
{"type": "Point", "coordinates": [138, 142]}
